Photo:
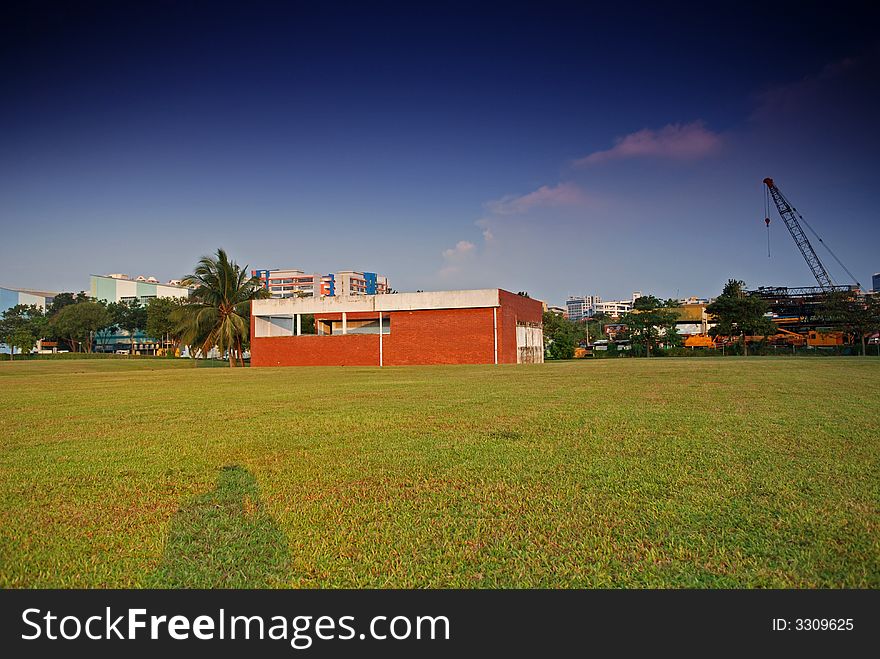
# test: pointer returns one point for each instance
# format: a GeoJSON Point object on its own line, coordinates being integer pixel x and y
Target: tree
{"type": "Point", "coordinates": [561, 336]}
{"type": "Point", "coordinates": [671, 337]}
{"type": "Point", "coordinates": [21, 327]}
{"type": "Point", "coordinates": [130, 316]}
{"type": "Point", "coordinates": [218, 310]}
{"type": "Point", "coordinates": [78, 323]}
{"type": "Point", "coordinates": [161, 324]}
{"type": "Point", "coordinates": [650, 319]}
{"type": "Point", "coordinates": [65, 299]}
{"type": "Point", "coordinates": [109, 331]}
{"type": "Point", "coordinates": [595, 325]}
{"type": "Point", "coordinates": [857, 316]}
{"type": "Point", "coordinates": [738, 314]}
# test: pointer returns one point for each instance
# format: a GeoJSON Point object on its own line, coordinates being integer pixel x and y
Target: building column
{"type": "Point", "coordinates": [380, 338]}
{"type": "Point", "coordinates": [495, 330]}
{"type": "Point", "coordinates": [344, 324]}
{"type": "Point", "coordinates": [298, 324]}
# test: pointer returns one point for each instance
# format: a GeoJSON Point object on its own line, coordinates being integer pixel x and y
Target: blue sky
{"type": "Point", "coordinates": [555, 148]}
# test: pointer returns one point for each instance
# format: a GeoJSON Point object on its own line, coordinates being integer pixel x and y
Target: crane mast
{"type": "Point", "coordinates": [789, 216]}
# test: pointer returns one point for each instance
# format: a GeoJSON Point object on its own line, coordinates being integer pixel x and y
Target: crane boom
{"type": "Point", "coordinates": [789, 216]}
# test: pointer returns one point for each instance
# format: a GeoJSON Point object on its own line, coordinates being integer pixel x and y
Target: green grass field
{"type": "Point", "coordinates": [612, 473]}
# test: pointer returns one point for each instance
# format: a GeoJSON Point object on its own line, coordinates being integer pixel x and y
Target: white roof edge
{"type": "Point", "coordinates": [151, 283]}
{"type": "Point", "coordinates": [468, 299]}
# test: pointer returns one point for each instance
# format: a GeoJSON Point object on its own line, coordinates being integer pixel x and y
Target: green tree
{"type": "Point", "coordinates": [65, 299]}
{"type": "Point", "coordinates": [161, 324]}
{"type": "Point", "coordinates": [21, 327]}
{"type": "Point", "coordinates": [24, 340]}
{"type": "Point", "coordinates": [856, 315]}
{"type": "Point", "coordinates": [129, 316]}
{"type": "Point", "coordinates": [595, 326]}
{"type": "Point", "coordinates": [77, 324]}
{"type": "Point", "coordinates": [650, 319]}
{"type": "Point", "coordinates": [671, 337]}
{"type": "Point", "coordinates": [218, 310]}
{"type": "Point", "coordinates": [561, 336]}
{"type": "Point", "coordinates": [738, 314]}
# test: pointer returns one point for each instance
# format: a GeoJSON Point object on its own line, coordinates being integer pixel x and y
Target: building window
{"type": "Point", "coordinates": [326, 327]}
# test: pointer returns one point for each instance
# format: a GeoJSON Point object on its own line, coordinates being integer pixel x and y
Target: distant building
{"type": "Point", "coordinates": [613, 329]}
{"type": "Point", "coordinates": [11, 297]}
{"type": "Point", "coordinates": [581, 306]}
{"type": "Point", "coordinates": [693, 299]}
{"type": "Point", "coordinates": [875, 282]}
{"type": "Point", "coordinates": [613, 308]}
{"type": "Point", "coordinates": [297, 283]}
{"type": "Point", "coordinates": [692, 319]}
{"type": "Point", "coordinates": [559, 311]}
{"type": "Point", "coordinates": [587, 306]}
{"type": "Point", "coordinates": [118, 287]}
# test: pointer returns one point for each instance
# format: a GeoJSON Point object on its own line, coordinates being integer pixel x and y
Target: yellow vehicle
{"type": "Point", "coordinates": [824, 339]}
{"type": "Point", "coordinates": [700, 341]}
{"type": "Point", "coordinates": [791, 338]}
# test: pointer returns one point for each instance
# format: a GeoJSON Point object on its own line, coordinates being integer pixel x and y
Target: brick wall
{"type": "Point", "coordinates": [442, 336]}
{"type": "Point", "coordinates": [313, 350]}
{"type": "Point", "coordinates": [514, 308]}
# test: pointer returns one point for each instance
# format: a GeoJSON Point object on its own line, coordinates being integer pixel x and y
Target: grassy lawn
{"type": "Point", "coordinates": [609, 473]}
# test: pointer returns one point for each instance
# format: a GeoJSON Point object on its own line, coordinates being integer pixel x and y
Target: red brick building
{"type": "Point", "coordinates": [490, 326]}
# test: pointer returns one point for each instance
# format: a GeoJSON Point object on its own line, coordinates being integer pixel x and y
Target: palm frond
{"type": "Point", "coordinates": [217, 313]}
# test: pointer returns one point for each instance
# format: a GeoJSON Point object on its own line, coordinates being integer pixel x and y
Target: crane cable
{"type": "Point", "coordinates": [767, 216]}
{"type": "Point", "coordinates": [819, 238]}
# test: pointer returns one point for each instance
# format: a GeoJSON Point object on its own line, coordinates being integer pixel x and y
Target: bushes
{"type": "Point", "coordinates": [561, 348]}
{"type": "Point", "coordinates": [77, 355]}
{"type": "Point", "coordinates": [67, 356]}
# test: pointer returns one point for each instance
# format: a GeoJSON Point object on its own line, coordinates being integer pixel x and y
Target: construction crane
{"type": "Point", "coordinates": [790, 216]}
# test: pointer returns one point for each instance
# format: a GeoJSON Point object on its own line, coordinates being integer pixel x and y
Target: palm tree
{"type": "Point", "coordinates": [218, 310]}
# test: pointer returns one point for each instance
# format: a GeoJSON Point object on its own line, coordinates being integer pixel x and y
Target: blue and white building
{"type": "Point", "coordinates": [122, 288]}
{"type": "Point", "coordinates": [119, 288]}
{"type": "Point", "coordinates": [10, 297]}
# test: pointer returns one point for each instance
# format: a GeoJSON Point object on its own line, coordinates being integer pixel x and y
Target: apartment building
{"type": "Point", "coordinates": [587, 306]}
{"type": "Point", "coordinates": [581, 306]}
{"type": "Point", "coordinates": [288, 283]}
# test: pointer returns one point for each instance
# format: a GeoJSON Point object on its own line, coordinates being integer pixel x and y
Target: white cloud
{"type": "Point", "coordinates": [462, 249]}
{"type": "Point", "coordinates": [564, 194]}
{"type": "Point", "coordinates": [455, 257]}
{"type": "Point", "coordinates": [674, 142]}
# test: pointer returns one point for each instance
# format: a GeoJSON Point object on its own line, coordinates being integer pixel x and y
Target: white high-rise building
{"type": "Point", "coordinates": [581, 306]}
{"type": "Point", "coordinates": [587, 306]}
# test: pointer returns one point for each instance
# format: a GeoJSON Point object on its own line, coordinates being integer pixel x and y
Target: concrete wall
{"type": "Point", "coordinates": [113, 290]}
{"type": "Point", "coordinates": [374, 303]}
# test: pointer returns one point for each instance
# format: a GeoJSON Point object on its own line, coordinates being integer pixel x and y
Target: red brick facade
{"type": "Point", "coordinates": [436, 336]}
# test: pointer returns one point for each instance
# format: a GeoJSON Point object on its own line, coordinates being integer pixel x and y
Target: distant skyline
{"type": "Point", "coordinates": [557, 148]}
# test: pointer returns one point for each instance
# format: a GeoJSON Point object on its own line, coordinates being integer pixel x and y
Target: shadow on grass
{"type": "Point", "coordinates": [224, 539]}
